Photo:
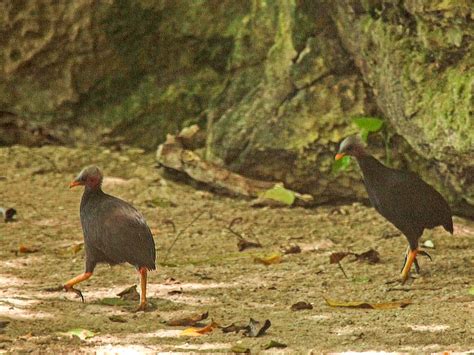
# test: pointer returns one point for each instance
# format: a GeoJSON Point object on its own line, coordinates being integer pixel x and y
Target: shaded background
{"type": "Point", "coordinates": [274, 83]}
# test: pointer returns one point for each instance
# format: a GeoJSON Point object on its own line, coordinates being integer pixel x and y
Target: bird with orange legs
{"type": "Point", "coordinates": [402, 197]}
{"type": "Point", "coordinates": [114, 233]}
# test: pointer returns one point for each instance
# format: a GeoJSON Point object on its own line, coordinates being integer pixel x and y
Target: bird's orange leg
{"type": "Point", "coordinates": [411, 257]}
{"type": "Point", "coordinates": [143, 280]}
{"type": "Point", "coordinates": [68, 286]}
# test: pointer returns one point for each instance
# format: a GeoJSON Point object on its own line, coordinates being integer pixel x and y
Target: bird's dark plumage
{"type": "Point", "coordinates": [114, 232]}
{"type": "Point", "coordinates": [402, 197]}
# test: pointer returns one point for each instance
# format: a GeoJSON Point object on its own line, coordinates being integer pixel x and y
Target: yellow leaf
{"type": "Point", "coordinates": [367, 305]}
{"type": "Point", "coordinates": [269, 260]}
{"type": "Point", "coordinates": [197, 332]}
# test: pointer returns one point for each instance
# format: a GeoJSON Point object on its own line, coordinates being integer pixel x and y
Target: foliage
{"type": "Point", "coordinates": [280, 194]}
{"type": "Point", "coordinates": [365, 125]}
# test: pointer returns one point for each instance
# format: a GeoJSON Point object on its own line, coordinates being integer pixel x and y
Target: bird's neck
{"type": "Point", "coordinates": [370, 166]}
{"type": "Point", "coordinates": [90, 192]}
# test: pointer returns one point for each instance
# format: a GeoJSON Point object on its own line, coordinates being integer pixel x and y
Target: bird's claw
{"type": "Point", "coordinates": [75, 290]}
{"type": "Point", "coordinates": [424, 253]}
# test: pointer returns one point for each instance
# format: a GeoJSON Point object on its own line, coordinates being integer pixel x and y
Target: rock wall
{"type": "Point", "coordinates": [275, 82]}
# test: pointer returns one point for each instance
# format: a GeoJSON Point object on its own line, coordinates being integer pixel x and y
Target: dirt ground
{"type": "Point", "coordinates": [211, 274]}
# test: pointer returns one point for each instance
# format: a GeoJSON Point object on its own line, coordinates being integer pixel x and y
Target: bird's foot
{"type": "Point", "coordinates": [142, 307]}
{"type": "Point", "coordinates": [75, 290]}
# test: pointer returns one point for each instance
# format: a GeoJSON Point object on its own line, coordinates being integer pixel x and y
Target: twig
{"type": "Point", "coordinates": [229, 227]}
{"type": "Point", "coordinates": [171, 223]}
{"type": "Point", "coordinates": [408, 289]}
{"type": "Point", "coordinates": [342, 269]}
{"type": "Point", "coordinates": [243, 243]}
{"type": "Point", "coordinates": [181, 232]}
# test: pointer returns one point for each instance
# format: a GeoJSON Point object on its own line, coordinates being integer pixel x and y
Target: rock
{"type": "Point", "coordinates": [275, 82]}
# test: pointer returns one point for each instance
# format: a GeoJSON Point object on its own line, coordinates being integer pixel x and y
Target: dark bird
{"type": "Point", "coordinates": [114, 232]}
{"type": "Point", "coordinates": [404, 199]}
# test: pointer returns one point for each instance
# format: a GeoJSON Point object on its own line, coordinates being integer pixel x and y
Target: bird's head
{"type": "Point", "coordinates": [90, 177]}
{"type": "Point", "coordinates": [350, 146]}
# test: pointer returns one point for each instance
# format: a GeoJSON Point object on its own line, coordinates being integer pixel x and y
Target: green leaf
{"type": "Point", "coordinates": [471, 291]}
{"type": "Point", "coordinates": [240, 349]}
{"type": "Point", "coordinates": [369, 124]}
{"type": "Point", "coordinates": [274, 344]}
{"type": "Point", "coordinates": [341, 164]}
{"type": "Point", "coordinates": [280, 194]}
{"type": "Point", "coordinates": [80, 333]}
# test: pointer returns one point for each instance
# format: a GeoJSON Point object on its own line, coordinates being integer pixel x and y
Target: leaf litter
{"type": "Point", "coordinates": [196, 332]}
{"type": "Point", "coordinates": [368, 305]}
{"type": "Point", "coordinates": [271, 259]}
{"type": "Point", "coordinates": [242, 242]}
{"type": "Point", "coordinates": [301, 305]}
{"type": "Point", "coordinates": [187, 321]}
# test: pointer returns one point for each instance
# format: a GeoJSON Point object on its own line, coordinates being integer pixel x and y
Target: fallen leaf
{"type": "Point", "coordinates": [428, 244]}
{"type": "Point", "coordinates": [243, 244]}
{"type": "Point", "coordinates": [233, 328]}
{"type": "Point", "coordinates": [280, 194]}
{"type": "Point", "coordinates": [275, 344]}
{"type": "Point", "coordinates": [26, 250]}
{"type": "Point", "coordinates": [253, 330]}
{"type": "Point", "coordinates": [334, 258]}
{"type": "Point", "coordinates": [129, 294]}
{"type": "Point", "coordinates": [187, 321]}
{"type": "Point", "coordinates": [7, 214]}
{"type": "Point", "coordinates": [196, 332]}
{"type": "Point", "coordinates": [269, 260]}
{"type": "Point", "coordinates": [240, 349]}
{"type": "Point", "coordinates": [117, 319]}
{"type": "Point", "coordinates": [293, 249]}
{"type": "Point", "coordinates": [298, 306]}
{"type": "Point", "coordinates": [371, 256]}
{"type": "Point", "coordinates": [80, 333]}
{"type": "Point", "coordinates": [361, 304]}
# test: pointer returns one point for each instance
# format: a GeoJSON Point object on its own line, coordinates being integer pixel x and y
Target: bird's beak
{"type": "Point", "coordinates": [339, 156]}
{"type": "Point", "coordinates": [74, 183]}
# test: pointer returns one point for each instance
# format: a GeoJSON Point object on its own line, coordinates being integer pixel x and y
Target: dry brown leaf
{"type": "Point", "coordinates": [293, 249]}
{"type": "Point", "coordinates": [371, 256]}
{"type": "Point", "coordinates": [269, 260]}
{"type": "Point", "coordinates": [187, 321]}
{"type": "Point", "coordinates": [197, 332]}
{"type": "Point", "coordinates": [243, 244]}
{"type": "Point", "coordinates": [25, 250]}
{"type": "Point", "coordinates": [301, 305]}
{"type": "Point", "coordinates": [367, 305]}
{"type": "Point", "coordinates": [334, 258]}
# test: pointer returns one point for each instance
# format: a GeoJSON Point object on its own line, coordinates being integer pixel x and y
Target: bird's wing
{"type": "Point", "coordinates": [125, 235]}
{"type": "Point", "coordinates": [411, 203]}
